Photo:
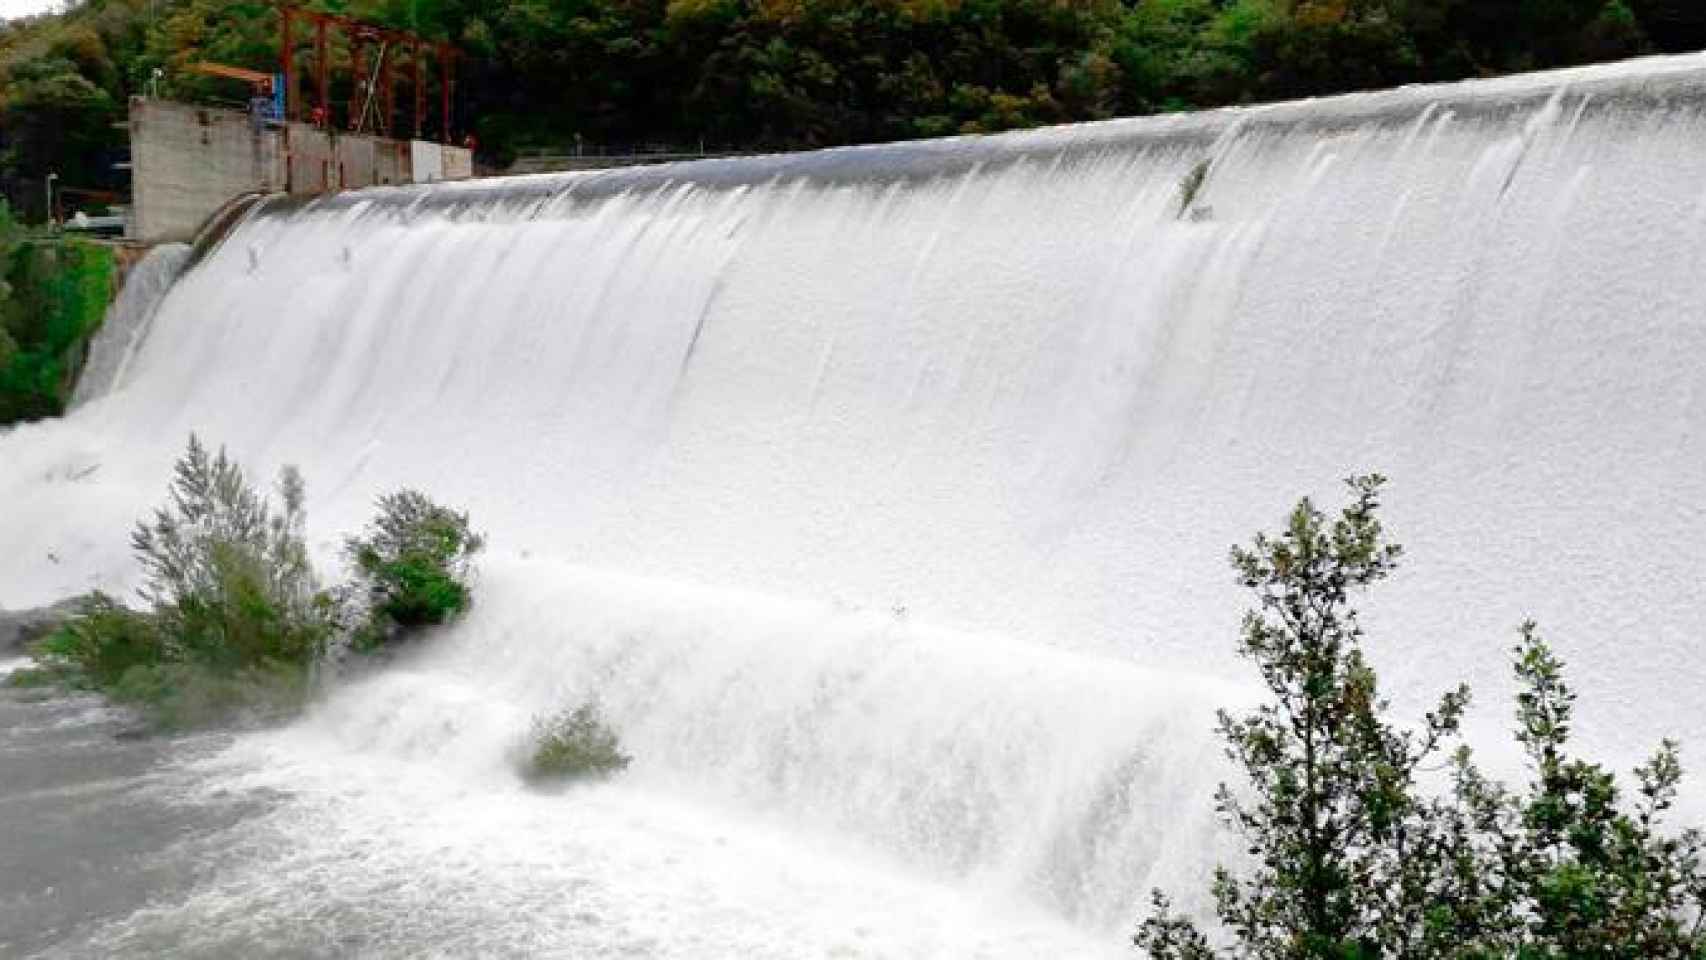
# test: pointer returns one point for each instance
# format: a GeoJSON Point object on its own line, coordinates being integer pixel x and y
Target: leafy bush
{"type": "Point", "coordinates": [233, 618]}
{"type": "Point", "coordinates": [1580, 869]}
{"type": "Point", "coordinates": [43, 677]}
{"type": "Point", "coordinates": [103, 641]}
{"type": "Point", "coordinates": [412, 565]}
{"type": "Point", "coordinates": [574, 745]}
{"type": "Point", "coordinates": [1353, 859]}
{"type": "Point", "coordinates": [192, 695]}
{"type": "Point", "coordinates": [227, 577]}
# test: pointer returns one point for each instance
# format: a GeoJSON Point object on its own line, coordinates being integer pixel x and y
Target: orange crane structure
{"type": "Point", "coordinates": [261, 82]}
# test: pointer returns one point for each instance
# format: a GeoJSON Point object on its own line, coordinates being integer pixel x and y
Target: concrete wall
{"type": "Point", "coordinates": [311, 158]}
{"type": "Point", "coordinates": [390, 162]}
{"type": "Point", "coordinates": [426, 161]}
{"type": "Point", "coordinates": [320, 162]}
{"type": "Point", "coordinates": [458, 162]}
{"type": "Point", "coordinates": [435, 161]}
{"type": "Point", "coordinates": [371, 161]}
{"type": "Point", "coordinates": [188, 161]}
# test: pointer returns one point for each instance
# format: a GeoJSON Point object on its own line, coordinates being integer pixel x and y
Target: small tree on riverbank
{"type": "Point", "coordinates": [234, 619]}
{"type": "Point", "coordinates": [228, 577]}
{"type": "Point", "coordinates": [1351, 859]}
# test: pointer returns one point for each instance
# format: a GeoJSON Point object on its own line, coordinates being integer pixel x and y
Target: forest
{"type": "Point", "coordinates": [740, 75]}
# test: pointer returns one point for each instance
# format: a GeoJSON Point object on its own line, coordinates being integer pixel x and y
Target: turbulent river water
{"type": "Point", "coordinates": [882, 495]}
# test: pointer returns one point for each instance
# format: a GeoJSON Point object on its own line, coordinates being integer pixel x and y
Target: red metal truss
{"type": "Point", "coordinates": [366, 92]}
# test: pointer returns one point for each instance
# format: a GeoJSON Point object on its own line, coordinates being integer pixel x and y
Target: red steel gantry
{"type": "Point", "coordinates": [367, 89]}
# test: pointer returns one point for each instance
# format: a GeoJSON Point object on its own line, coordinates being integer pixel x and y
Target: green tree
{"type": "Point", "coordinates": [9, 234]}
{"type": "Point", "coordinates": [227, 576]}
{"type": "Point", "coordinates": [1352, 859]}
{"type": "Point", "coordinates": [233, 620]}
{"type": "Point", "coordinates": [1596, 876]}
{"type": "Point", "coordinates": [1329, 46]}
{"type": "Point", "coordinates": [411, 566]}
{"type": "Point", "coordinates": [56, 120]}
{"type": "Point", "coordinates": [1331, 815]}
{"type": "Point", "coordinates": [1673, 25]}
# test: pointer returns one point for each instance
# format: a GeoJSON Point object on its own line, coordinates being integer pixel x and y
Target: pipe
{"type": "Point", "coordinates": [287, 62]}
{"type": "Point", "coordinates": [320, 69]}
{"type": "Point", "coordinates": [446, 65]}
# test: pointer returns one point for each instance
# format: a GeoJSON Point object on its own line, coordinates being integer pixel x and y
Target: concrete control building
{"type": "Point", "coordinates": [188, 161]}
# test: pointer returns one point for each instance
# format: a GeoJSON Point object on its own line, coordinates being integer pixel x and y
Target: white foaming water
{"type": "Point", "coordinates": [128, 318]}
{"type": "Point", "coordinates": [883, 494]}
{"type": "Point", "coordinates": [805, 783]}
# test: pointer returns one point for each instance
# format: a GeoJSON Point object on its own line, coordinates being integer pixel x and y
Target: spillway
{"type": "Point", "coordinates": [883, 495]}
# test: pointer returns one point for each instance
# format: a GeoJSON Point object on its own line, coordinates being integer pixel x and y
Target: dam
{"type": "Point", "coordinates": [883, 495]}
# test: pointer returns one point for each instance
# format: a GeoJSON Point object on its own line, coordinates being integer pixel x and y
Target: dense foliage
{"type": "Point", "coordinates": [411, 567]}
{"type": "Point", "coordinates": [233, 618]}
{"type": "Point", "coordinates": [576, 744]}
{"type": "Point", "coordinates": [748, 74]}
{"type": "Point", "coordinates": [227, 576]}
{"type": "Point", "coordinates": [1354, 858]}
{"type": "Point", "coordinates": [53, 295]}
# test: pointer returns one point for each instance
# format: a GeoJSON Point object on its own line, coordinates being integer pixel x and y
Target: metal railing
{"type": "Point", "coordinates": [546, 160]}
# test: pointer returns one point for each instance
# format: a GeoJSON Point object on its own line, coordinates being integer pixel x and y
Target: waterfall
{"type": "Point", "coordinates": [126, 324]}
{"type": "Point", "coordinates": [883, 494]}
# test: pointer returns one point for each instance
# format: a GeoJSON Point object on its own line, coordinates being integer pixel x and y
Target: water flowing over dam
{"type": "Point", "coordinates": [883, 497]}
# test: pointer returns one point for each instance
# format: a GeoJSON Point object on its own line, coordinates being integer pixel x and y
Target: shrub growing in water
{"type": "Point", "coordinates": [227, 576]}
{"type": "Point", "coordinates": [412, 566]}
{"type": "Point", "coordinates": [234, 615]}
{"type": "Point", "coordinates": [1190, 187]}
{"type": "Point", "coordinates": [102, 641]}
{"type": "Point", "coordinates": [192, 695]}
{"type": "Point", "coordinates": [574, 745]}
{"type": "Point", "coordinates": [1353, 860]}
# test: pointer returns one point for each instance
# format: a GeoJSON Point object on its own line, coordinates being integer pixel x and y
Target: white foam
{"type": "Point", "coordinates": [127, 320]}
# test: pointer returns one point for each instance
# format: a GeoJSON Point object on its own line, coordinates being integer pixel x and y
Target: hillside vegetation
{"type": "Point", "coordinates": [53, 295]}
